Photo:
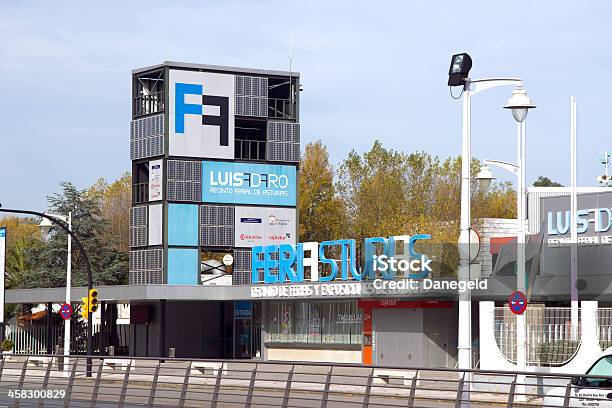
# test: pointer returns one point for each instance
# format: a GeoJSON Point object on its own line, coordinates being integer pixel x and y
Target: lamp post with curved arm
{"type": "Point", "coordinates": [69, 231]}
{"type": "Point", "coordinates": [45, 226]}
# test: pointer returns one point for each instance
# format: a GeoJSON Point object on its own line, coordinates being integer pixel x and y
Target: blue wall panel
{"type": "Point", "coordinates": [183, 266]}
{"type": "Point", "coordinates": [183, 224]}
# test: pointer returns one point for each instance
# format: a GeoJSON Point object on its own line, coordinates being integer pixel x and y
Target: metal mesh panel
{"type": "Point", "coordinates": [251, 86]}
{"type": "Point", "coordinates": [239, 85]}
{"type": "Point", "coordinates": [146, 277]}
{"type": "Point", "coordinates": [283, 151]}
{"type": "Point", "coordinates": [252, 106]}
{"type": "Point", "coordinates": [154, 259]}
{"type": "Point", "coordinates": [217, 225]}
{"type": "Point", "coordinates": [146, 267]}
{"type": "Point", "coordinates": [138, 236]}
{"type": "Point", "coordinates": [138, 216]}
{"type": "Point", "coordinates": [604, 327]}
{"type": "Point", "coordinates": [242, 267]}
{"type": "Point", "coordinates": [147, 137]}
{"type": "Point", "coordinates": [138, 226]}
{"type": "Point", "coordinates": [551, 339]}
{"type": "Point", "coordinates": [184, 180]}
{"type": "Point", "coordinates": [283, 131]}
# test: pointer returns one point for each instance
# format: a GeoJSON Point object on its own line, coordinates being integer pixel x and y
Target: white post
{"type": "Point", "coordinates": [521, 355]}
{"type": "Point", "coordinates": [573, 230]}
{"type": "Point", "coordinates": [2, 283]}
{"type": "Point", "coordinates": [464, 343]}
{"type": "Point", "coordinates": [464, 332]}
{"type": "Point", "coordinates": [68, 287]}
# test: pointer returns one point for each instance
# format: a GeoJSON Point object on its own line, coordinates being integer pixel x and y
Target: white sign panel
{"type": "Point", "coordinates": [255, 226]}
{"type": "Point", "coordinates": [202, 109]}
{"type": "Point", "coordinates": [155, 224]}
{"type": "Point", "coordinates": [155, 180]}
{"type": "Point", "coordinates": [2, 262]}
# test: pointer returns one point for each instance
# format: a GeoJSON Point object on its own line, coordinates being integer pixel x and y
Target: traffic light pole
{"type": "Point", "coordinates": [68, 230]}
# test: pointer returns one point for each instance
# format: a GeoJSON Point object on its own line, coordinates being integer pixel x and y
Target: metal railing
{"type": "Point", "coordinates": [148, 104]}
{"type": "Point", "coordinates": [281, 108]}
{"type": "Point", "coordinates": [250, 149]}
{"type": "Point", "coordinates": [32, 338]}
{"type": "Point", "coordinates": [550, 337]}
{"type": "Point", "coordinates": [140, 192]}
{"type": "Point", "coordinates": [46, 381]}
{"type": "Point", "coordinates": [604, 327]}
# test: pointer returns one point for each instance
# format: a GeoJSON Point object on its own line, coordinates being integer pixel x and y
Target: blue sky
{"type": "Point", "coordinates": [370, 70]}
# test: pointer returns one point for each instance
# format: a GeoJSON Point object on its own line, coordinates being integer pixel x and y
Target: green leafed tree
{"type": "Point", "coordinates": [393, 193]}
{"type": "Point", "coordinates": [47, 262]}
{"type": "Point", "coordinates": [543, 181]}
{"type": "Point", "coordinates": [375, 189]}
{"type": "Point", "coordinates": [22, 233]}
{"type": "Point", "coordinates": [321, 211]}
{"type": "Point", "coordinates": [115, 200]}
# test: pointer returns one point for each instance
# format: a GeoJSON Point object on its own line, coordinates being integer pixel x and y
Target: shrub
{"type": "Point", "coordinates": [557, 353]}
{"type": "Point", "coordinates": [7, 345]}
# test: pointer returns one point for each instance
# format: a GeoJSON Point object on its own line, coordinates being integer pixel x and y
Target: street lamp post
{"type": "Point", "coordinates": [68, 230]}
{"type": "Point", "coordinates": [520, 104]}
{"type": "Point", "coordinates": [45, 225]}
{"type": "Point", "coordinates": [470, 88]}
{"type": "Point", "coordinates": [458, 76]}
{"type": "Point", "coordinates": [573, 227]}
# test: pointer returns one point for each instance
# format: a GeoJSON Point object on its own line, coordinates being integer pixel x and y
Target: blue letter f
{"type": "Point", "coordinates": [181, 108]}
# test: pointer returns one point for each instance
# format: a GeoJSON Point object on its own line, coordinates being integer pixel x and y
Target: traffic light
{"type": "Point", "coordinates": [93, 300]}
{"type": "Point", "coordinates": [84, 307]}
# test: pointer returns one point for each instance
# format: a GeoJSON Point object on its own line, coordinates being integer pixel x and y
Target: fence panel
{"type": "Point", "coordinates": [32, 338]}
{"type": "Point", "coordinates": [550, 336]}
{"type": "Point", "coordinates": [29, 380]}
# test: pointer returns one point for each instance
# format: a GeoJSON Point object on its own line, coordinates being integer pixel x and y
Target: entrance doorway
{"type": "Point", "coordinates": [247, 330]}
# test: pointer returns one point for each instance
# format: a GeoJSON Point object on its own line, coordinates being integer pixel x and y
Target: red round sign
{"type": "Point", "coordinates": [66, 311]}
{"type": "Point", "coordinates": [517, 302]}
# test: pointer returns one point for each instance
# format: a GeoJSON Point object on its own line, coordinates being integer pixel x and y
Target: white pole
{"type": "Point", "coordinates": [2, 283]}
{"type": "Point", "coordinates": [521, 354]}
{"type": "Point", "coordinates": [464, 341]}
{"type": "Point", "coordinates": [68, 287]}
{"type": "Point", "coordinates": [573, 230]}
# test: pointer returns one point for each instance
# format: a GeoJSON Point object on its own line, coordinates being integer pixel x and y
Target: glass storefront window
{"type": "Point", "coordinates": [301, 322]}
{"type": "Point", "coordinates": [335, 322]}
{"type": "Point", "coordinates": [285, 320]}
{"type": "Point", "coordinates": [314, 324]}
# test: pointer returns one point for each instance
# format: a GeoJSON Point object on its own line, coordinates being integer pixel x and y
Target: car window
{"type": "Point", "coordinates": [602, 367]}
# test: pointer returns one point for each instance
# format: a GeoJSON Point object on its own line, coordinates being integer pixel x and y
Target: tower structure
{"type": "Point", "coordinates": [215, 154]}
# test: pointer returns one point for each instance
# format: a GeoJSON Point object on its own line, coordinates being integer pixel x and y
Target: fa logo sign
{"type": "Point", "coordinates": [217, 105]}
{"type": "Point", "coordinates": [202, 110]}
